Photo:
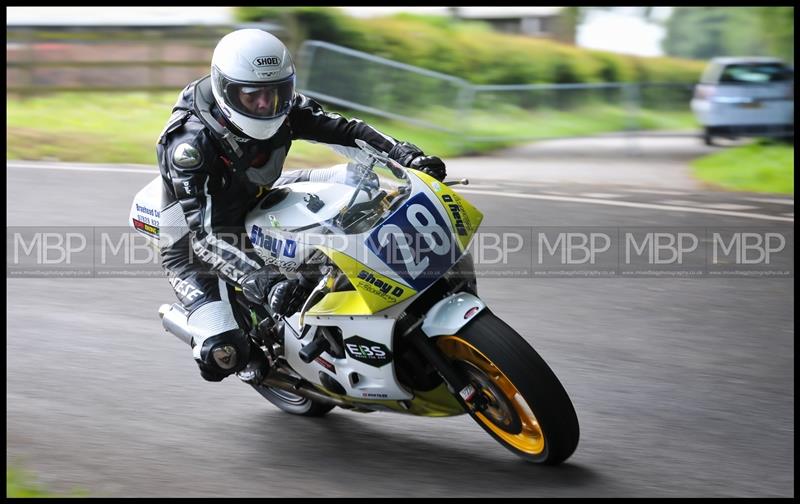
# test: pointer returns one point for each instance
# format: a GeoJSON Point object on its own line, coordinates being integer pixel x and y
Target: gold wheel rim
{"type": "Point", "coordinates": [530, 439]}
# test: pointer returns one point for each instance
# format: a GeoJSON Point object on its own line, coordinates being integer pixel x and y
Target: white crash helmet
{"type": "Point", "coordinates": [253, 81]}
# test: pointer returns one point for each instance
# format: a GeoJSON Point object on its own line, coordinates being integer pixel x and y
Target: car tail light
{"type": "Point", "coordinates": [703, 92]}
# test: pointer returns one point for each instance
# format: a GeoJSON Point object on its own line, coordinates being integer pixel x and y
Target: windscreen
{"type": "Point", "coordinates": [752, 73]}
{"type": "Point", "coordinates": [385, 193]}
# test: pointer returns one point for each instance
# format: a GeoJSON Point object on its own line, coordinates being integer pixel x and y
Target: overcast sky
{"type": "Point", "coordinates": [611, 31]}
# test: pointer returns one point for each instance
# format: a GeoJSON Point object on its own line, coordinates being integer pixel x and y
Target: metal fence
{"type": "Point", "coordinates": [380, 86]}
{"type": "Point", "coordinates": [119, 58]}
{"type": "Point", "coordinates": [41, 59]}
{"type": "Point", "coordinates": [386, 88]}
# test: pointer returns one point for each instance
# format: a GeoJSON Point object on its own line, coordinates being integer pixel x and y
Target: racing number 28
{"type": "Point", "coordinates": [435, 237]}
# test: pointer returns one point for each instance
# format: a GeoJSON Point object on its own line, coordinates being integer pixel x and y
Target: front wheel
{"type": "Point", "coordinates": [528, 410]}
{"type": "Point", "coordinates": [293, 403]}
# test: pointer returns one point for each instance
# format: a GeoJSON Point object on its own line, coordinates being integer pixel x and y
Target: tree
{"type": "Point", "coordinates": [777, 24]}
{"type": "Point", "coordinates": [706, 32]}
{"type": "Point", "coordinates": [567, 22]}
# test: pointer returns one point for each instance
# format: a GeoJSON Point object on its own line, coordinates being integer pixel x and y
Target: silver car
{"type": "Point", "coordinates": [744, 97]}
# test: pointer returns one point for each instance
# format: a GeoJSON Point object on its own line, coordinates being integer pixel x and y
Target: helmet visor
{"type": "Point", "coordinates": [258, 99]}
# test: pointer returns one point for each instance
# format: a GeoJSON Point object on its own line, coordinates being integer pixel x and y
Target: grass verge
{"type": "Point", "coordinates": [20, 483]}
{"type": "Point", "coordinates": [763, 166]}
{"type": "Point", "coordinates": [123, 128]}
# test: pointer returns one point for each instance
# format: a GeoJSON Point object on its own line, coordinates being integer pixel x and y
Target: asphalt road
{"type": "Point", "coordinates": [683, 386]}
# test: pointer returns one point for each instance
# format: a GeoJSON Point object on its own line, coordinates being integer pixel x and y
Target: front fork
{"type": "Point", "coordinates": [447, 317]}
{"type": "Point", "coordinates": [456, 382]}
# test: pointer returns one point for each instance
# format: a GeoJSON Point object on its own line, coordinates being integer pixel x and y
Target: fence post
{"type": "Point", "coordinates": [158, 56]}
{"type": "Point", "coordinates": [632, 97]}
{"type": "Point", "coordinates": [304, 63]}
{"type": "Point", "coordinates": [29, 41]}
{"type": "Point", "coordinates": [466, 100]}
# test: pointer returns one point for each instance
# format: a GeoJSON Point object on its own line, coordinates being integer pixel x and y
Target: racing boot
{"type": "Point", "coordinates": [257, 367]}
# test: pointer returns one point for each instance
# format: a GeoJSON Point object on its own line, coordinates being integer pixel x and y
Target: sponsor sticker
{"type": "Point", "coordinates": [276, 246]}
{"type": "Point", "coordinates": [467, 392]}
{"type": "Point", "coordinates": [147, 228]}
{"type": "Point", "coordinates": [375, 395]}
{"type": "Point", "coordinates": [267, 61]}
{"type": "Point", "coordinates": [368, 352]}
{"type": "Point", "coordinates": [327, 365]}
{"type": "Point", "coordinates": [416, 243]}
{"type": "Point", "coordinates": [380, 287]}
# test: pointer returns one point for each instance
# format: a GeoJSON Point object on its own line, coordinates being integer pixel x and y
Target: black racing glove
{"type": "Point", "coordinates": [287, 297]}
{"type": "Point", "coordinates": [410, 155]}
{"type": "Point", "coordinates": [256, 284]}
{"type": "Point", "coordinates": [431, 165]}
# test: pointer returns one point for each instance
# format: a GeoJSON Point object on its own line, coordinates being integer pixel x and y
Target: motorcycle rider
{"type": "Point", "coordinates": [222, 149]}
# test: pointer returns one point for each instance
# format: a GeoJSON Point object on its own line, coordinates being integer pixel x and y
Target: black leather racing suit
{"type": "Point", "coordinates": [213, 175]}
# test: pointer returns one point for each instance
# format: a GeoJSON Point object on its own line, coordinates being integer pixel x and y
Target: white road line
{"type": "Point", "coordinates": [600, 195]}
{"type": "Point", "coordinates": [81, 168]}
{"type": "Point", "coordinates": [467, 191]}
{"type": "Point", "coordinates": [776, 201]}
{"type": "Point", "coordinates": [659, 191]}
{"type": "Point", "coordinates": [629, 204]}
{"type": "Point", "coordinates": [718, 206]}
{"type": "Point", "coordinates": [790, 214]}
{"type": "Point", "coordinates": [517, 182]}
{"type": "Point", "coordinates": [485, 186]}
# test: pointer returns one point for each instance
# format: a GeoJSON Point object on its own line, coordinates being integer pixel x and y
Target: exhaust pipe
{"type": "Point", "coordinates": [173, 318]}
{"type": "Point", "coordinates": [277, 379]}
{"type": "Point", "coordinates": [304, 391]}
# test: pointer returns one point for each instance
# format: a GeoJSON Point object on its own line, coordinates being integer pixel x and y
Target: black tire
{"type": "Point", "coordinates": [293, 403]}
{"type": "Point", "coordinates": [543, 428]}
{"type": "Point", "coordinates": [708, 139]}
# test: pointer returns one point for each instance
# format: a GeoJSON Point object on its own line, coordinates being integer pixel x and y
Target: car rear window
{"type": "Point", "coordinates": [756, 73]}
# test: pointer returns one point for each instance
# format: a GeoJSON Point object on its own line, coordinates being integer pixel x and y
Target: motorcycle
{"type": "Point", "coordinates": [394, 321]}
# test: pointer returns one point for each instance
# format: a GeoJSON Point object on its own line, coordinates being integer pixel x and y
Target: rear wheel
{"type": "Point", "coordinates": [708, 139]}
{"type": "Point", "coordinates": [528, 411]}
{"type": "Point", "coordinates": [293, 403]}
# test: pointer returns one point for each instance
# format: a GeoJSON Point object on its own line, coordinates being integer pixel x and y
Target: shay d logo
{"type": "Point", "coordinates": [290, 248]}
{"type": "Point", "coordinates": [274, 245]}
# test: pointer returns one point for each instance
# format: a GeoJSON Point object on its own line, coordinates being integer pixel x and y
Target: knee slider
{"type": "Point", "coordinates": [224, 354]}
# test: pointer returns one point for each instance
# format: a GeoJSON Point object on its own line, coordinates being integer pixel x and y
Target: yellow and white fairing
{"type": "Point", "coordinates": [380, 284]}
{"type": "Point", "coordinates": [388, 265]}
{"type": "Point", "coordinates": [145, 214]}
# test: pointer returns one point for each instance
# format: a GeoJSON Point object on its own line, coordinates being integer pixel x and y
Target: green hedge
{"type": "Point", "coordinates": [470, 50]}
